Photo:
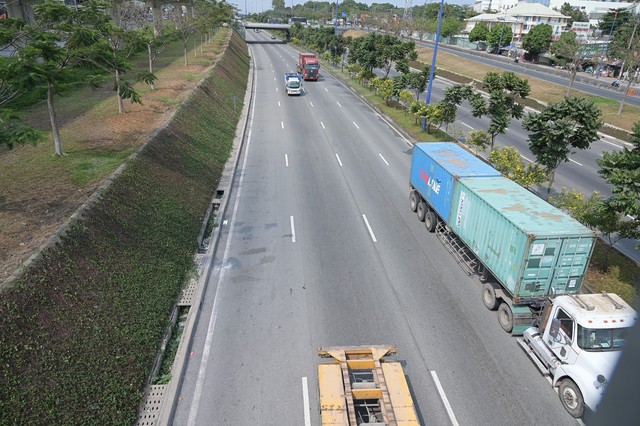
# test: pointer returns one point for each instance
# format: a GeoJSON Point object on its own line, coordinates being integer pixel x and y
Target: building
{"type": "Point", "coordinates": [595, 9]}
{"type": "Point", "coordinates": [522, 17]}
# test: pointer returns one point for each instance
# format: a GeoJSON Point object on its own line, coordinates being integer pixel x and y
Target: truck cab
{"type": "Point", "coordinates": [578, 344]}
{"type": "Point", "coordinates": [293, 83]}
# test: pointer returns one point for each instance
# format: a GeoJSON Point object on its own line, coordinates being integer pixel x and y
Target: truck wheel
{"type": "Point", "coordinates": [571, 398]}
{"type": "Point", "coordinates": [430, 221]}
{"type": "Point", "coordinates": [413, 201]}
{"type": "Point", "coordinates": [505, 317]}
{"type": "Point", "coordinates": [422, 210]}
{"type": "Point", "coordinates": [489, 297]}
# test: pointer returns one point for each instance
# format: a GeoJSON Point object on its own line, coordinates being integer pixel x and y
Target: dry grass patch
{"type": "Point", "coordinates": [40, 191]}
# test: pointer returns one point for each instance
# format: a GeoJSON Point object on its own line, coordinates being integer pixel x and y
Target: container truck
{"type": "Point", "coordinates": [308, 66]}
{"type": "Point", "coordinates": [293, 83]}
{"type": "Point", "coordinates": [532, 258]}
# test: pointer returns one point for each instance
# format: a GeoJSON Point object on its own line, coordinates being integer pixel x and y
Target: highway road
{"type": "Point", "coordinates": [319, 248]}
{"type": "Point", "coordinates": [542, 72]}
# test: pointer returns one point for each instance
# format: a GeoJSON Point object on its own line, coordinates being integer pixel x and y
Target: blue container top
{"type": "Point", "coordinates": [456, 160]}
{"type": "Point", "coordinates": [525, 210]}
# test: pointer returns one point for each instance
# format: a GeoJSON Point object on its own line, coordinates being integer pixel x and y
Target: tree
{"type": "Point", "coordinates": [417, 81]}
{"type": "Point", "coordinates": [576, 15]}
{"type": "Point", "coordinates": [505, 90]}
{"type": "Point", "coordinates": [450, 26]}
{"type": "Point", "coordinates": [480, 32]}
{"type": "Point", "coordinates": [508, 161]}
{"type": "Point", "coordinates": [385, 89]}
{"type": "Point", "coordinates": [479, 140]}
{"type": "Point", "coordinates": [453, 97]}
{"type": "Point", "coordinates": [499, 35]}
{"type": "Point", "coordinates": [568, 51]}
{"type": "Point", "coordinates": [432, 115]}
{"type": "Point", "coordinates": [538, 38]}
{"type": "Point", "coordinates": [613, 19]}
{"type": "Point", "coordinates": [393, 50]}
{"type": "Point", "coordinates": [406, 97]}
{"type": "Point", "coordinates": [45, 53]}
{"type": "Point", "coordinates": [621, 169]}
{"type": "Point", "coordinates": [625, 46]}
{"type": "Point", "coordinates": [186, 26]}
{"type": "Point", "coordinates": [559, 128]}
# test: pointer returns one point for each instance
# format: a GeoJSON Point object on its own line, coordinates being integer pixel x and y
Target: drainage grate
{"type": "Point", "coordinates": [149, 414]}
{"type": "Point", "coordinates": [188, 293]}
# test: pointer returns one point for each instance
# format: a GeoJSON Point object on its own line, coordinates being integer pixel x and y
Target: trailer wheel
{"type": "Point", "coordinates": [489, 296]}
{"type": "Point", "coordinates": [505, 317]}
{"type": "Point", "coordinates": [413, 201]}
{"type": "Point", "coordinates": [571, 398]}
{"type": "Point", "coordinates": [422, 210]}
{"type": "Point", "coordinates": [430, 221]}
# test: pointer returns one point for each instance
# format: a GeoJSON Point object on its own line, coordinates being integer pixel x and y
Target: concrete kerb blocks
{"type": "Point", "coordinates": [167, 409]}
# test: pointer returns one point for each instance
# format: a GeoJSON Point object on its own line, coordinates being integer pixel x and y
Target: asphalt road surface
{"type": "Point", "coordinates": [320, 248]}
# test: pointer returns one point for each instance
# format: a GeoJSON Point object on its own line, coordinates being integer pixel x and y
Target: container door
{"type": "Point", "coordinates": [572, 264]}
{"type": "Point", "coordinates": [538, 267]}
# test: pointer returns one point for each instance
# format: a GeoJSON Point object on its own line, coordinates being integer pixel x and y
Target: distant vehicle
{"type": "Point", "coordinates": [257, 30]}
{"type": "Point", "coordinates": [273, 37]}
{"type": "Point", "coordinates": [293, 83]}
{"type": "Point", "coordinates": [308, 66]}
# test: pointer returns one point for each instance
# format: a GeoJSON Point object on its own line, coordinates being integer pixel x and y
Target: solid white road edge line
{"type": "Point", "coordinates": [366, 222]}
{"type": "Point", "coordinates": [286, 160]}
{"type": "Point", "coordinates": [611, 143]}
{"type": "Point", "coordinates": [465, 124]}
{"type": "Point", "coordinates": [293, 229]}
{"type": "Point", "coordinates": [526, 158]}
{"type": "Point", "coordinates": [338, 157]}
{"type": "Point", "coordinates": [445, 401]}
{"type": "Point", "coordinates": [573, 161]}
{"type": "Point", "coordinates": [197, 393]}
{"type": "Point", "coordinates": [305, 402]}
{"type": "Point", "coordinates": [383, 159]}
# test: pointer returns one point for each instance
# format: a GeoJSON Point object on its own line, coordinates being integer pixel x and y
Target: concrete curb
{"type": "Point", "coordinates": [168, 407]}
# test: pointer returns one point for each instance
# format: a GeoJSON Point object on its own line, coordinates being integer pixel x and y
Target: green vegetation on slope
{"type": "Point", "coordinates": [80, 330]}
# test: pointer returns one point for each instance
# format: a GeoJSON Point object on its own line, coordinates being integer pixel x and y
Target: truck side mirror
{"type": "Point", "coordinates": [554, 329]}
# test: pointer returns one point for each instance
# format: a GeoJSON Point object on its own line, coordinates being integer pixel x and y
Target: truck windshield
{"type": "Point", "coordinates": [601, 339]}
{"type": "Point", "coordinates": [312, 67]}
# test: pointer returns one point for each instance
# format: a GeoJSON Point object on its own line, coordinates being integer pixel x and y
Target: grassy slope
{"type": "Point", "coordinates": [79, 331]}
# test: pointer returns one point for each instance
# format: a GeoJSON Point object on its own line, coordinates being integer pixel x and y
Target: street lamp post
{"type": "Point", "coordinates": [432, 71]}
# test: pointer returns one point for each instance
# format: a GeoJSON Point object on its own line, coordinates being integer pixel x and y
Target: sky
{"type": "Point", "coordinates": [259, 5]}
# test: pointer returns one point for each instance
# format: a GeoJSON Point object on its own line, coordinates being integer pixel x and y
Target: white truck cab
{"type": "Point", "coordinates": [578, 344]}
{"type": "Point", "coordinates": [293, 83]}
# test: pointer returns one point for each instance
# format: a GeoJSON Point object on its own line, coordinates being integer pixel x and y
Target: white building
{"type": "Point", "coordinates": [522, 17]}
{"type": "Point", "coordinates": [531, 14]}
{"type": "Point", "coordinates": [593, 8]}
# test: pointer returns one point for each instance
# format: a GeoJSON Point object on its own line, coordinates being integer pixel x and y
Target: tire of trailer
{"type": "Point", "coordinates": [489, 296]}
{"type": "Point", "coordinates": [422, 210]}
{"type": "Point", "coordinates": [505, 317]}
{"type": "Point", "coordinates": [414, 199]}
{"type": "Point", "coordinates": [430, 221]}
{"type": "Point", "coordinates": [571, 398]}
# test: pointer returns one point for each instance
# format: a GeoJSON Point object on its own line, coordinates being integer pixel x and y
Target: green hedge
{"type": "Point", "coordinates": [80, 330]}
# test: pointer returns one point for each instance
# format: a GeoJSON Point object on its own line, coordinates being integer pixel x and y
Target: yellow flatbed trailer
{"type": "Point", "coordinates": [358, 387]}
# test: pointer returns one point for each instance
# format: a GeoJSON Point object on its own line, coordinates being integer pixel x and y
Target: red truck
{"type": "Point", "coordinates": [308, 66]}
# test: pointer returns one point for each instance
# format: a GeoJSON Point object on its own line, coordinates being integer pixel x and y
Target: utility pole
{"type": "Point", "coordinates": [432, 71]}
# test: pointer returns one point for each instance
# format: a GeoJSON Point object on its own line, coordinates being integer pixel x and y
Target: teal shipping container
{"type": "Point", "coordinates": [532, 248]}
